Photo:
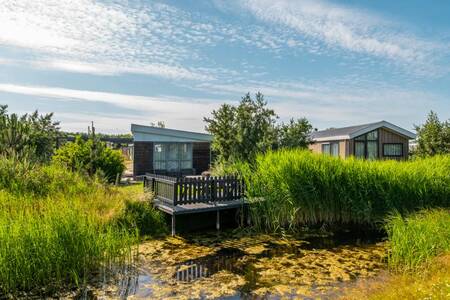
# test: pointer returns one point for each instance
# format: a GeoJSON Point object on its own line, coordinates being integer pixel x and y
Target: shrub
{"type": "Point", "coordinates": [418, 238]}
{"type": "Point", "coordinates": [92, 157]}
{"type": "Point", "coordinates": [143, 217]}
{"type": "Point", "coordinates": [304, 188]}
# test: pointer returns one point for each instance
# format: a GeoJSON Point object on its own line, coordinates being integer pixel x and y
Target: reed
{"type": "Point", "coordinates": [416, 239]}
{"type": "Point", "coordinates": [299, 187]}
{"type": "Point", "coordinates": [58, 228]}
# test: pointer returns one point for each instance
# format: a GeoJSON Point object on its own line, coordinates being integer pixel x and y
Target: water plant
{"type": "Point", "coordinates": [416, 239]}
{"type": "Point", "coordinates": [58, 228]}
{"type": "Point", "coordinates": [299, 187]}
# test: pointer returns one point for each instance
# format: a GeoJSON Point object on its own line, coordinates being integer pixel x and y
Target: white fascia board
{"type": "Point", "coordinates": [143, 133]}
{"type": "Point", "coordinates": [331, 138]}
{"type": "Point", "coordinates": [385, 124]}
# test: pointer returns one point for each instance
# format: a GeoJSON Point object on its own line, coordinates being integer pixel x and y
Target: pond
{"type": "Point", "coordinates": [242, 265]}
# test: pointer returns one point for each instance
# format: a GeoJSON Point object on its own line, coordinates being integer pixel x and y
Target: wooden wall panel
{"type": "Point", "coordinates": [142, 158]}
{"type": "Point", "coordinates": [201, 157]}
{"type": "Point", "coordinates": [388, 136]}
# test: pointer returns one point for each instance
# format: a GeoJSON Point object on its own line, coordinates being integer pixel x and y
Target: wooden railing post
{"type": "Point", "coordinates": [175, 192]}
{"type": "Point", "coordinates": [213, 190]}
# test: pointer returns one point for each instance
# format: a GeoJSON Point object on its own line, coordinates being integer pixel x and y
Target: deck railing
{"type": "Point", "coordinates": [186, 190]}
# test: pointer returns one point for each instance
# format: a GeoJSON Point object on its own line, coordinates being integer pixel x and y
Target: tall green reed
{"type": "Point", "coordinates": [299, 187]}
{"type": "Point", "coordinates": [417, 238]}
{"type": "Point", "coordinates": [57, 228]}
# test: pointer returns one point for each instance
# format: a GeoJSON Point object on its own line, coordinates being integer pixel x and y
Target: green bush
{"type": "Point", "coordinates": [92, 157]}
{"type": "Point", "coordinates": [142, 217]}
{"type": "Point", "coordinates": [417, 238]}
{"type": "Point", "coordinates": [299, 187]}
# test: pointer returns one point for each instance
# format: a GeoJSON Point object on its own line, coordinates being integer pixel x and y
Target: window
{"type": "Point", "coordinates": [366, 145]}
{"type": "Point", "coordinates": [331, 148]}
{"type": "Point", "coordinates": [172, 156]}
{"type": "Point", "coordinates": [395, 150]}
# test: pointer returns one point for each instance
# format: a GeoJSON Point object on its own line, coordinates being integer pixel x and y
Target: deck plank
{"type": "Point", "coordinates": [197, 207]}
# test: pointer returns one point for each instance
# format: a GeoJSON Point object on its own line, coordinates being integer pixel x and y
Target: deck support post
{"type": "Point", "coordinates": [218, 220]}
{"type": "Point", "coordinates": [173, 225]}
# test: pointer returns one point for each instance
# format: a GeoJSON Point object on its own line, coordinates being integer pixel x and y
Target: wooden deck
{"type": "Point", "coordinates": [197, 207]}
{"type": "Point", "coordinates": [182, 196]}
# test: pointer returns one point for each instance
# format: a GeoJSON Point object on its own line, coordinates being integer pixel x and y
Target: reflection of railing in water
{"type": "Point", "coordinates": [224, 259]}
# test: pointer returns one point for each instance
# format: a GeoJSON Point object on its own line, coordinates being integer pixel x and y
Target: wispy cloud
{"type": "Point", "coordinates": [329, 106]}
{"type": "Point", "coordinates": [105, 38]}
{"type": "Point", "coordinates": [346, 28]}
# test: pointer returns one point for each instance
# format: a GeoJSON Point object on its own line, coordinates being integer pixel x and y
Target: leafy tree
{"type": "Point", "coordinates": [31, 136]}
{"type": "Point", "coordinates": [240, 132]}
{"type": "Point", "coordinates": [222, 126]}
{"type": "Point", "coordinates": [295, 134]}
{"type": "Point", "coordinates": [91, 156]}
{"type": "Point", "coordinates": [433, 137]}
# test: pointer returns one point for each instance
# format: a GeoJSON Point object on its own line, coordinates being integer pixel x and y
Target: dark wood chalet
{"type": "Point", "coordinates": [169, 152]}
{"type": "Point", "coordinates": [380, 140]}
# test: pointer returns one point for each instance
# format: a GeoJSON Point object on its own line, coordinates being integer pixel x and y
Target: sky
{"type": "Point", "coordinates": [336, 63]}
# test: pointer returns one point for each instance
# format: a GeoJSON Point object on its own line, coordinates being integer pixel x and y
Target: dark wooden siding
{"type": "Point", "coordinates": [201, 156]}
{"type": "Point", "coordinates": [387, 136]}
{"type": "Point", "coordinates": [143, 158]}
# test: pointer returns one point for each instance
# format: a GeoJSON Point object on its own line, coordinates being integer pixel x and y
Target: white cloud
{"type": "Point", "coordinates": [343, 27]}
{"type": "Point", "coordinates": [325, 106]}
{"type": "Point", "coordinates": [105, 38]}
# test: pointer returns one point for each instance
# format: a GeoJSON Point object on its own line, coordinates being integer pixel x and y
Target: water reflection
{"type": "Point", "coordinates": [246, 266]}
{"type": "Point", "coordinates": [223, 259]}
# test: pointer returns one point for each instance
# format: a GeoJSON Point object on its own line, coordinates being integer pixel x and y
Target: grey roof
{"type": "Point", "coordinates": [157, 134]}
{"type": "Point", "coordinates": [354, 131]}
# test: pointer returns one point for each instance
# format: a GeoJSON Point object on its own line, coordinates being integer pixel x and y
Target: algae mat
{"type": "Point", "coordinates": [248, 266]}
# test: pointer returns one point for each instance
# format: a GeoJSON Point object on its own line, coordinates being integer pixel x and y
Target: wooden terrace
{"type": "Point", "coordinates": [190, 195]}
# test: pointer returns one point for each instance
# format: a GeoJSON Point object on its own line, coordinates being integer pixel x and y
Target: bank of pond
{"type": "Point", "coordinates": [64, 234]}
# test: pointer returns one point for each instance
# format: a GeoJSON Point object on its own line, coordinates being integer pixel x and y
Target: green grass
{"type": "Point", "coordinates": [416, 239]}
{"type": "Point", "coordinates": [303, 188]}
{"type": "Point", "coordinates": [57, 228]}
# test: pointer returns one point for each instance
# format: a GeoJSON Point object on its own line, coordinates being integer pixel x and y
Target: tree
{"type": "Point", "coordinates": [240, 132]}
{"type": "Point", "coordinates": [31, 136]}
{"type": "Point", "coordinates": [222, 126]}
{"type": "Point", "coordinates": [91, 156]}
{"type": "Point", "coordinates": [295, 134]}
{"type": "Point", "coordinates": [433, 137]}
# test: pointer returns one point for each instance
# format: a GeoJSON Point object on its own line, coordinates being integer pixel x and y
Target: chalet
{"type": "Point", "coordinates": [380, 140]}
{"type": "Point", "coordinates": [169, 152]}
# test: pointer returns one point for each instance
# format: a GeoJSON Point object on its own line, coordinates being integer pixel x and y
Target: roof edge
{"type": "Point", "coordinates": [170, 132]}
{"type": "Point", "coordinates": [385, 124]}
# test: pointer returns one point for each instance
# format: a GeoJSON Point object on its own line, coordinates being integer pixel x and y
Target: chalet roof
{"type": "Point", "coordinates": [142, 133]}
{"type": "Point", "coordinates": [350, 132]}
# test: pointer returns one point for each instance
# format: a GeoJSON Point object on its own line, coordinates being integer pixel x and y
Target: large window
{"type": "Point", "coordinates": [393, 150]}
{"type": "Point", "coordinates": [172, 156]}
{"type": "Point", "coordinates": [331, 148]}
{"type": "Point", "coordinates": [366, 145]}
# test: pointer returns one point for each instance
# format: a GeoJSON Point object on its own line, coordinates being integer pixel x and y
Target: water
{"type": "Point", "coordinates": [246, 266]}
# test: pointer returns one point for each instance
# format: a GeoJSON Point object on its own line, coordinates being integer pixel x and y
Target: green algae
{"type": "Point", "coordinates": [212, 266]}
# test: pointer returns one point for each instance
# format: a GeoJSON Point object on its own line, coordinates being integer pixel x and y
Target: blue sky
{"type": "Point", "coordinates": [120, 62]}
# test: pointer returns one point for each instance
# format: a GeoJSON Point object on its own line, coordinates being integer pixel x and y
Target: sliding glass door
{"type": "Point", "coordinates": [172, 157]}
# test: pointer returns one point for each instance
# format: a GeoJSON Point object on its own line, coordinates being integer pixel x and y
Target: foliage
{"type": "Point", "coordinates": [143, 217]}
{"type": "Point", "coordinates": [243, 131]}
{"type": "Point", "coordinates": [431, 282]}
{"type": "Point", "coordinates": [418, 238]}
{"type": "Point", "coordinates": [433, 137]}
{"type": "Point", "coordinates": [31, 136]}
{"type": "Point", "coordinates": [57, 227]}
{"type": "Point", "coordinates": [295, 134]}
{"type": "Point", "coordinates": [300, 187]}
{"type": "Point", "coordinates": [91, 156]}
